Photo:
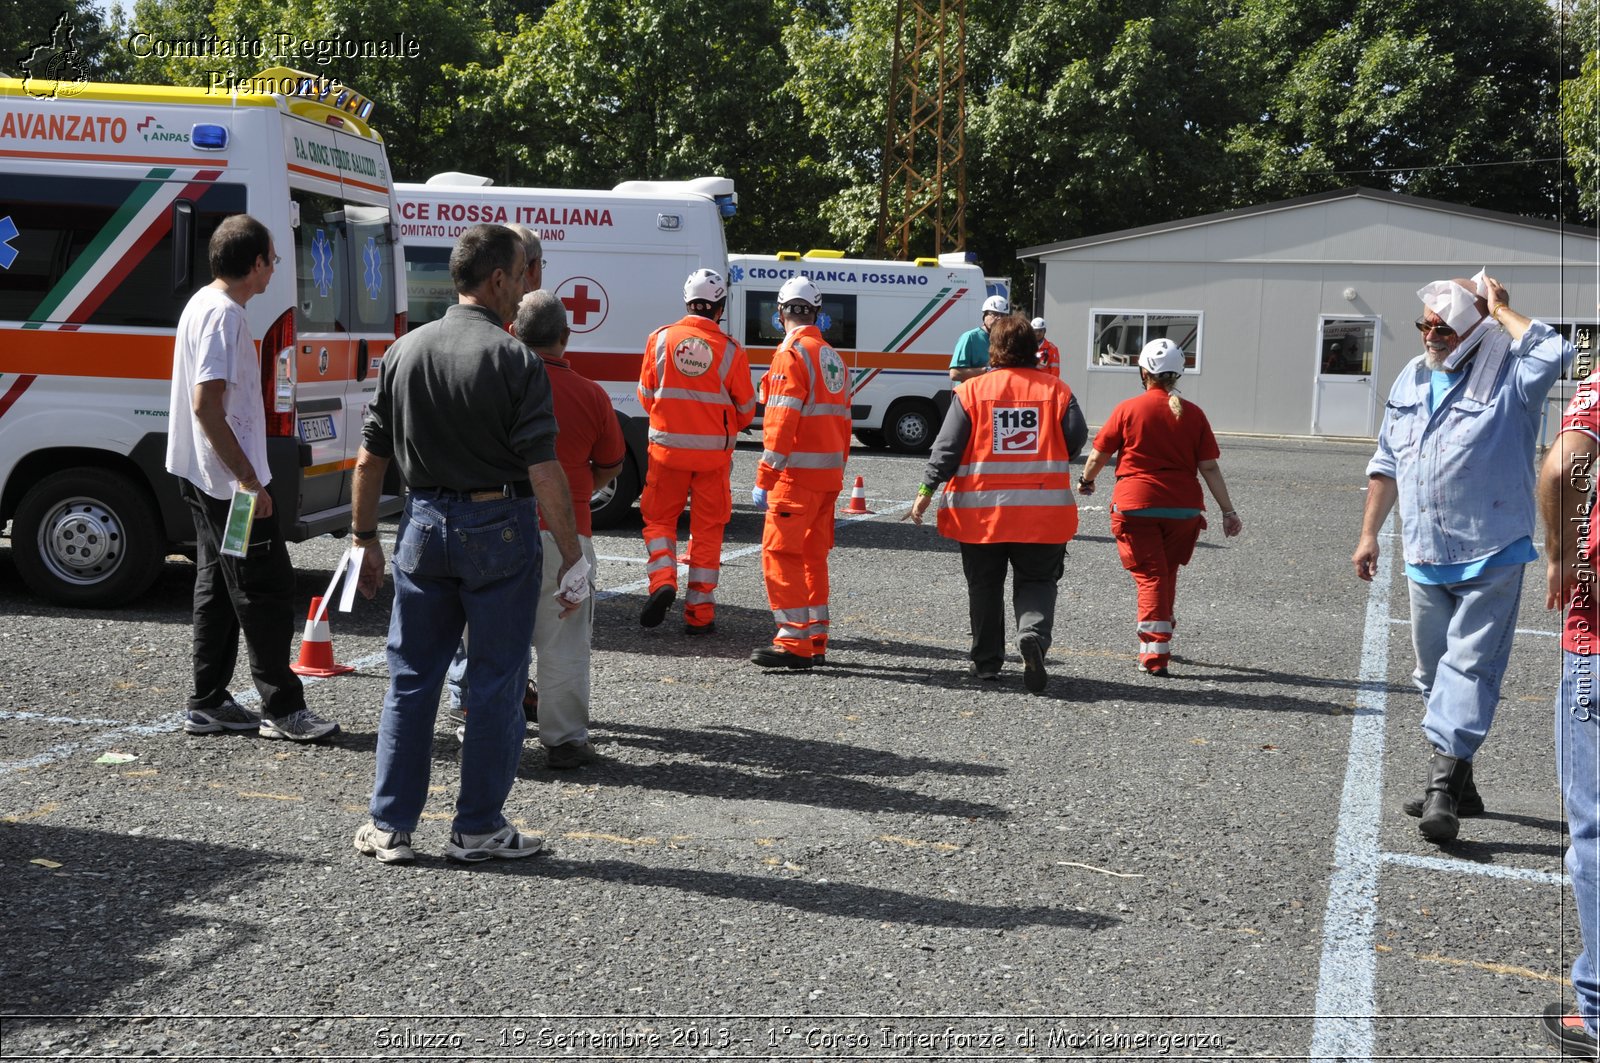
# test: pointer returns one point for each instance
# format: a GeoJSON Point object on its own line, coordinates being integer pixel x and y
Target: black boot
{"type": "Point", "coordinates": [1470, 803]}
{"type": "Point", "coordinates": [1447, 777]}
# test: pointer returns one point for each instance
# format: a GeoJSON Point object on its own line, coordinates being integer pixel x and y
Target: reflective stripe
{"type": "Point", "coordinates": [819, 614]}
{"type": "Point", "coordinates": [661, 356]}
{"type": "Point", "coordinates": [774, 459]}
{"type": "Point", "coordinates": [1017, 497]}
{"type": "Point", "coordinates": [787, 632]}
{"type": "Point", "coordinates": [783, 402]}
{"type": "Point", "coordinates": [655, 546]}
{"type": "Point", "coordinates": [791, 616]}
{"type": "Point", "coordinates": [1155, 626]}
{"type": "Point", "coordinates": [827, 410]}
{"type": "Point", "coordinates": [726, 367]}
{"type": "Point", "coordinates": [1019, 467]}
{"type": "Point", "coordinates": [1154, 647]}
{"type": "Point", "coordinates": [690, 442]}
{"type": "Point", "coordinates": [803, 459]}
{"type": "Point", "coordinates": [710, 398]}
{"type": "Point", "coordinates": [704, 575]}
{"type": "Point", "coordinates": [662, 563]}
{"type": "Point", "coordinates": [694, 597]}
{"type": "Point", "coordinates": [746, 407]}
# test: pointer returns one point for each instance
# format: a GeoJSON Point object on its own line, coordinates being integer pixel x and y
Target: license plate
{"type": "Point", "coordinates": [317, 429]}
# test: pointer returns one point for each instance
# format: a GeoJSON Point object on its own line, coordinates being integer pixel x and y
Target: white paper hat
{"type": "Point", "coordinates": [1457, 306]}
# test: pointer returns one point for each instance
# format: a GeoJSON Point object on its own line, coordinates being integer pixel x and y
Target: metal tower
{"type": "Point", "coordinates": [924, 183]}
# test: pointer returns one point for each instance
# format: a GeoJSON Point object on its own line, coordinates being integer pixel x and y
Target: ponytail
{"type": "Point", "coordinates": [1169, 384]}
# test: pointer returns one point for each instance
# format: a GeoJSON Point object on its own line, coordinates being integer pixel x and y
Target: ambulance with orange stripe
{"type": "Point", "coordinates": [109, 195]}
{"type": "Point", "coordinates": [616, 258]}
{"type": "Point", "coordinates": [895, 324]}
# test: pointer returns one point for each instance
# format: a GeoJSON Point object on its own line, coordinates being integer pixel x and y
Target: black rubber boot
{"type": "Point", "coordinates": [1447, 777]}
{"type": "Point", "coordinates": [1470, 803]}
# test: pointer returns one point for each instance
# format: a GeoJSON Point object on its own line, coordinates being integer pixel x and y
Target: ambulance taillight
{"type": "Point", "coordinates": [277, 375]}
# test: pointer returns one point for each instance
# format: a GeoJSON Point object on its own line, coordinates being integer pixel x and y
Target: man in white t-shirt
{"type": "Point", "coordinates": [217, 443]}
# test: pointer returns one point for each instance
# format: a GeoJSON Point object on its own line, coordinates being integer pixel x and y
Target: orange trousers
{"type": "Point", "coordinates": [794, 560]}
{"type": "Point", "coordinates": [710, 508]}
{"type": "Point", "coordinates": [1153, 549]}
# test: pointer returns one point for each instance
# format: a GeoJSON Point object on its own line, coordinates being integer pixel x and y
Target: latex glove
{"type": "Point", "coordinates": [758, 496]}
{"type": "Point", "coordinates": [575, 583]}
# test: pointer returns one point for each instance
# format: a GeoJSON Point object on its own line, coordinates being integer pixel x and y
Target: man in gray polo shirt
{"type": "Point", "coordinates": [466, 410]}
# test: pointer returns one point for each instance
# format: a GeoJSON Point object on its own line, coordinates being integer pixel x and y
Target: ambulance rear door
{"type": "Point", "coordinates": [346, 300]}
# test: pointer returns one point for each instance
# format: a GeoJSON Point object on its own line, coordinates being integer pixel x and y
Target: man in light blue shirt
{"type": "Point", "coordinates": [972, 349]}
{"type": "Point", "coordinates": [1456, 452]}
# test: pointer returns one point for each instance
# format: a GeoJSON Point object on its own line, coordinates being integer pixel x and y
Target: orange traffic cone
{"type": "Point", "coordinates": [858, 498]}
{"type": "Point", "coordinates": [316, 647]}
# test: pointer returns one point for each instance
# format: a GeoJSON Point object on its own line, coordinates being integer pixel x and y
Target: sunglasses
{"type": "Point", "coordinates": [1425, 327]}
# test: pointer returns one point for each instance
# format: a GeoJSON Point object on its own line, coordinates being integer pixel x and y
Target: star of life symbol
{"type": "Point", "coordinates": [8, 233]}
{"type": "Point", "coordinates": [373, 273]}
{"type": "Point", "coordinates": [322, 263]}
{"type": "Point", "coordinates": [833, 374]}
{"type": "Point", "coordinates": [735, 274]}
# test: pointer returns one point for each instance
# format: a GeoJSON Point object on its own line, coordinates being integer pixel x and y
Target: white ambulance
{"type": "Point", "coordinates": [617, 259]}
{"type": "Point", "coordinates": [894, 323]}
{"type": "Point", "coordinates": [109, 195]}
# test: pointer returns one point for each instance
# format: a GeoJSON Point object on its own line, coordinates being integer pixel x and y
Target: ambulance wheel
{"type": "Point", "coordinates": [610, 506]}
{"type": "Point", "coordinates": [911, 426]}
{"type": "Point", "coordinates": [87, 537]}
{"type": "Point", "coordinates": [871, 438]}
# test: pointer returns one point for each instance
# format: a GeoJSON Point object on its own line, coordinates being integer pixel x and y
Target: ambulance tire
{"type": "Point", "coordinates": [911, 426]}
{"type": "Point", "coordinates": [87, 537]}
{"type": "Point", "coordinates": [871, 438]}
{"type": "Point", "coordinates": [610, 506]}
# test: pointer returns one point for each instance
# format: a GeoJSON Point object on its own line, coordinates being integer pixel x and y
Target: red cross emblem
{"type": "Point", "coordinates": [586, 303]}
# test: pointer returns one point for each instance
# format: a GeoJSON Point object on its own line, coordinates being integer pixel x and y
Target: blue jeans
{"type": "Point", "coordinates": [456, 563]}
{"type": "Point", "coordinates": [1462, 636]}
{"type": "Point", "coordinates": [1578, 767]}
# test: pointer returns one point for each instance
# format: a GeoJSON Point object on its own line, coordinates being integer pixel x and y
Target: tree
{"type": "Point", "coordinates": [1580, 112]}
{"type": "Point", "coordinates": [35, 24]}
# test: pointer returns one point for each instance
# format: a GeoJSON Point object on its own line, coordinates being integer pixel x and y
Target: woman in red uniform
{"type": "Point", "coordinates": [1156, 506]}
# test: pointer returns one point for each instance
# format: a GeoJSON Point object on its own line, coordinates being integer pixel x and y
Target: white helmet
{"type": "Point", "coordinates": [704, 286]}
{"type": "Point", "coordinates": [1037, 324]}
{"type": "Point", "coordinates": [1161, 356]}
{"type": "Point", "coordinates": [997, 304]}
{"type": "Point", "coordinates": [799, 290]}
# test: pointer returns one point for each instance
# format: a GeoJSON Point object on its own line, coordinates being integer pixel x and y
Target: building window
{"type": "Point", "coordinates": [1117, 336]}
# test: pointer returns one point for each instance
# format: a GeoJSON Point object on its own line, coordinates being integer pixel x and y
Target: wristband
{"type": "Point", "coordinates": [1230, 513]}
{"type": "Point", "coordinates": [364, 536]}
{"type": "Point", "coordinates": [925, 490]}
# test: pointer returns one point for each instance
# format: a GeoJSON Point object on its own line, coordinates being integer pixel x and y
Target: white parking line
{"type": "Point", "coordinates": [39, 717]}
{"type": "Point", "coordinates": [1466, 867]}
{"type": "Point", "coordinates": [249, 697]}
{"type": "Point", "coordinates": [1345, 995]}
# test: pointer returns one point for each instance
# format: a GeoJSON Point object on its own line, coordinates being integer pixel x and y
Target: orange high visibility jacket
{"type": "Point", "coordinates": [1049, 358]}
{"type": "Point", "coordinates": [805, 430]}
{"type": "Point", "coordinates": [1014, 484]}
{"type": "Point", "coordinates": [695, 386]}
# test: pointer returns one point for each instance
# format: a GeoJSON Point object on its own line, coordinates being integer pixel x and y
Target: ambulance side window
{"type": "Point", "coordinates": [763, 329]}
{"type": "Point", "coordinates": [71, 231]}
{"type": "Point", "coordinates": [320, 270]}
{"type": "Point", "coordinates": [371, 268]}
{"type": "Point", "coordinates": [429, 290]}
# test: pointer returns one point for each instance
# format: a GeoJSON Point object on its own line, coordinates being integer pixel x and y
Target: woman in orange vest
{"type": "Point", "coordinates": [1003, 455]}
{"type": "Point", "coordinates": [1167, 448]}
{"type": "Point", "coordinates": [805, 438]}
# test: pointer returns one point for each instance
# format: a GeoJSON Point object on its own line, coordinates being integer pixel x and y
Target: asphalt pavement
{"type": "Point", "coordinates": [879, 858]}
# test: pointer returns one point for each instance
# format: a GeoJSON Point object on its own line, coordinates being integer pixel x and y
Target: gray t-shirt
{"type": "Point", "coordinates": [461, 404]}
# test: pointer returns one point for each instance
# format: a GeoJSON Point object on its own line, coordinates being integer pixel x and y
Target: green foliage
{"type": "Point", "coordinates": [26, 25]}
{"type": "Point", "coordinates": [1580, 114]}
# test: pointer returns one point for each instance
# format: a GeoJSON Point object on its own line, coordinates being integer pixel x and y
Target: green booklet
{"type": "Point", "coordinates": [236, 536]}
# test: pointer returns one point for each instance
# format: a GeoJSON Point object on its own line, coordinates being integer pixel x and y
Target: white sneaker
{"type": "Point", "coordinates": [390, 847]}
{"type": "Point", "coordinates": [507, 843]}
{"type": "Point", "coordinates": [302, 726]}
{"type": "Point", "coordinates": [229, 716]}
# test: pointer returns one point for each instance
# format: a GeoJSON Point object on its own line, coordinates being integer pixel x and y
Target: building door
{"type": "Point", "coordinates": [1346, 377]}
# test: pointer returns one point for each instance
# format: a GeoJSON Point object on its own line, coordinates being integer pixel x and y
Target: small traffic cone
{"type": "Point", "coordinates": [316, 648]}
{"type": "Point", "coordinates": [858, 498]}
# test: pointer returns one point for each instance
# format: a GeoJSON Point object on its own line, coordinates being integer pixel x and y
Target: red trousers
{"type": "Point", "coordinates": [794, 560]}
{"type": "Point", "coordinates": [1153, 549]}
{"type": "Point", "coordinates": [710, 508]}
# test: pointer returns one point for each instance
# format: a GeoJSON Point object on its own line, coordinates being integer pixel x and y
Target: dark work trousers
{"type": "Point", "coordinates": [1036, 569]}
{"type": "Point", "coordinates": [253, 595]}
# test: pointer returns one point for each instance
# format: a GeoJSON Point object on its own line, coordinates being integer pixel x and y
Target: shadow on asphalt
{"type": "Point", "coordinates": [82, 933]}
{"type": "Point", "coordinates": [828, 898]}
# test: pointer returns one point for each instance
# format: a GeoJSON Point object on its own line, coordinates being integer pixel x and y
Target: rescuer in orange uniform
{"type": "Point", "coordinates": [1049, 356]}
{"type": "Point", "coordinates": [806, 438]}
{"type": "Point", "coordinates": [695, 386]}
{"type": "Point", "coordinates": [1003, 455]}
